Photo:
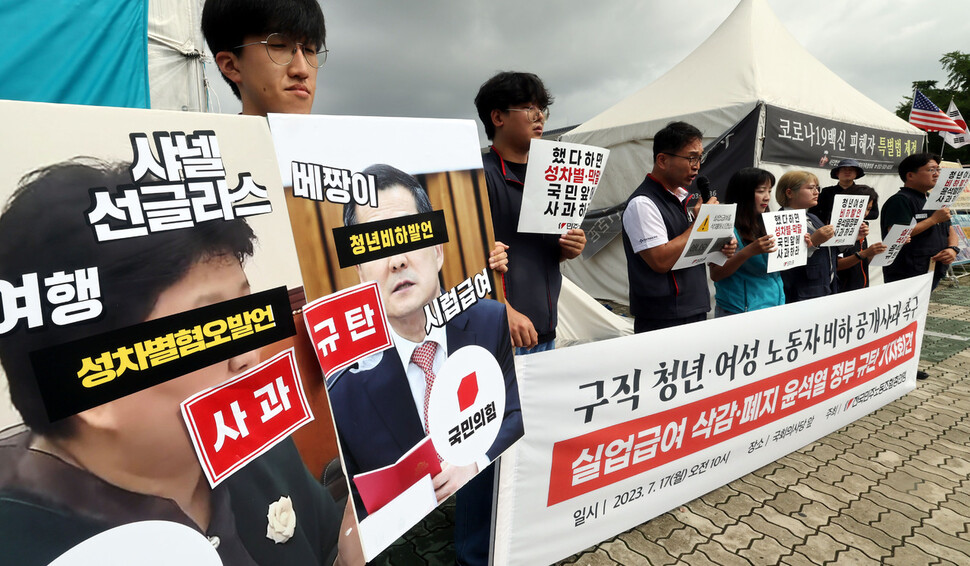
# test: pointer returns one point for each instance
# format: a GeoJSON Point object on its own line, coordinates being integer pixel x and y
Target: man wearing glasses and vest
{"type": "Point", "coordinates": [656, 227]}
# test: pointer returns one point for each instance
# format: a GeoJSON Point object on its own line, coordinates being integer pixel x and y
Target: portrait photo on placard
{"type": "Point", "coordinates": [393, 236]}
{"type": "Point", "coordinates": [146, 259]}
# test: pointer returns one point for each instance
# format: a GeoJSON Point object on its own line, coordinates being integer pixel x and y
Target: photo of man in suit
{"type": "Point", "coordinates": [379, 405]}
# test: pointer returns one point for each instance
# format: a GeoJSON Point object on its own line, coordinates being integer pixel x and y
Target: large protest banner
{"type": "Point", "coordinates": [438, 401]}
{"type": "Point", "coordinates": [147, 257]}
{"type": "Point", "coordinates": [623, 430]}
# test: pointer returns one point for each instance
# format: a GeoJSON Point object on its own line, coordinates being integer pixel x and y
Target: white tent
{"type": "Point", "coordinates": [175, 55]}
{"type": "Point", "coordinates": [750, 61]}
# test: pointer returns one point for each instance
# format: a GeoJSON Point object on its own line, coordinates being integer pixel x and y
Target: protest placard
{"type": "Point", "coordinates": [897, 237]}
{"type": "Point", "coordinates": [559, 185]}
{"type": "Point", "coordinates": [848, 212]}
{"type": "Point", "coordinates": [157, 266]}
{"type": "Point", "coordinates": [948, 188]}
{"type": "Point", "coordinates": [789, 228]}
{"type": "Point", "coordinates": [712, 230]}
{"type": "Point", "coordinates": [422, 236]}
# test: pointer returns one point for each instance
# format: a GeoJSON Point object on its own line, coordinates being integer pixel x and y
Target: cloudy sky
{"type": "Point", "coordinates": [427, 58]}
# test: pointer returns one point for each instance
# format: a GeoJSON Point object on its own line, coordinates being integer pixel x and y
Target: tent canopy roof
{"type": "Point", "coordinates": [751, 57]}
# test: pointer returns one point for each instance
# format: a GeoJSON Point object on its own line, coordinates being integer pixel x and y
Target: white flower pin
{"type": "Point", "coordinates": [282, 520]}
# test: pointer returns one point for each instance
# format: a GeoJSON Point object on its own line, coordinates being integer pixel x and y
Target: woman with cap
{"type": "Point", "coordinates": [846, 173]}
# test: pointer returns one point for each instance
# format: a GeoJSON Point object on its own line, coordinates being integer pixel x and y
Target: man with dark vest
{"type": "Point", "coordinates": [933, 240]}
{"type": "Point", "coordinates": [656, 227]}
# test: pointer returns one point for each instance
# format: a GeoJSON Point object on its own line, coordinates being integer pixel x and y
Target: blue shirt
{"type": "Point", "coordinates": [751, 287]}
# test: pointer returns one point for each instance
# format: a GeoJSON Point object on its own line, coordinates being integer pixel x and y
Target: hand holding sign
{"type": "Point", "coordinates": [822, 235]}
{"type": "Point", "coordinates": [572, 243]}
{"type": "Point", "coordinates": [711, 236]}
{"type": "Point", "coordinates": [897, 237]}
{"type": "Point", "coordinates": [791, 238]}
{"type": "Point", "coordinates": [848, 212]}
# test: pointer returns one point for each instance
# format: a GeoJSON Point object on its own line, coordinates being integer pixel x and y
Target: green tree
{"type": "Point", "coordinates": [956, 64]}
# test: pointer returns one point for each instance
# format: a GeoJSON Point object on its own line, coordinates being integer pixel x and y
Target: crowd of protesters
{"type": "Point", "coordinates": [657, 223]}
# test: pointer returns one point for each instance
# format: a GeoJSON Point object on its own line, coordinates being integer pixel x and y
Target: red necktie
{"type": "Point", "coordinates": [423, 357]}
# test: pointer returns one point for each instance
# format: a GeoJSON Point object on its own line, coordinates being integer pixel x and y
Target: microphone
{"type": "Point", "coordinates": [704, 186]}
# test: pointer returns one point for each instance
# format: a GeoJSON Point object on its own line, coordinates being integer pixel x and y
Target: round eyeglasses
{"type": "Point", "coordinates": [282, 49]}
{"type": "Point", "coordinates": [534, 114]}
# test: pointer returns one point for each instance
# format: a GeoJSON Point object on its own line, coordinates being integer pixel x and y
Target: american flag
{"type": "Point", "coordinates": [927, 116]}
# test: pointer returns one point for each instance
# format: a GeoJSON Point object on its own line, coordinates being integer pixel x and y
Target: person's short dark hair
{"type": "Point", "coordinates": [912, 163]}
{"type": "Point", "coordinates": [673, 137]}
{"type": "Point", "coordinates": [386, 177]}
{"type": "Point", "coordinates": [740, 190]}
{"type": "Point", "coordinates": [44, 229]}
{"type": "Point", "coordinates": [226, 22]}
{"type": "Point", "coordinates": [505, 90]}
{"type": "Point", "coordinates": [873, 198]}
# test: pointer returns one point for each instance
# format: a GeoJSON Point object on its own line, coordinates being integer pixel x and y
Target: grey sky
{"type": "Point", "coordinates": [427, 58]}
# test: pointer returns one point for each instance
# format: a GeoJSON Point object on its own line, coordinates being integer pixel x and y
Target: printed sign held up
{"type": "Point", "coordinates": [789, 228]}
{"type": "Point", "coordinates": [895, 240]}
{"type": "Point", "coordinates": [848, 212]}
{"type": "Point", "coordinates": [713, 230]}
{"type": "Point", "coordinates": [635, 436]}
{"type": "Point", "coordinates": [948, 188]}
{"type": "Point", "coordinates": [559, 185]}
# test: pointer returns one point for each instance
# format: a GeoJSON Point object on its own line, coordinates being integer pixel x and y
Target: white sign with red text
{"type": "Point", "coordinates": [897, 237]}
{"type": "Point", "coordinates": [559, 185]}
{"type": "Point", "coordinates": [848, 212]}
{"type": "Point", "coordinates": [788, 227]}
{"type": "Point", "coordinates": [947, 189]}
{"type": "Point", "coordinates": [347, 326]}
{"type": "Point", "coordinates": [233, 423]}
{"type": "Point", "coordinates": [615, 437]}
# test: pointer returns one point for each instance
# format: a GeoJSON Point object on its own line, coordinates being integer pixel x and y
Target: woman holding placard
{"type": "Point", "coordinates": [743, 283]}
{"type": "Point", "coordinates": [798, 190]}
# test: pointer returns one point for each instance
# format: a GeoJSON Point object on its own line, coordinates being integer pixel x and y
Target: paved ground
{"type": "Point", "coordinates": [891, 488]}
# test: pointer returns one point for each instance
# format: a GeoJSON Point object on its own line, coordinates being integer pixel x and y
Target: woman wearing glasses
{"type": "Point", "coordinates": [743, 283]}
{"type": "Point", "coordinates": [798, 190]}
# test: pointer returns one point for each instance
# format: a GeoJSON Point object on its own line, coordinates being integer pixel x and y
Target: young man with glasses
{"type": "Point", "coordinates": [656, 227]}
{"type": "Point", "coordinates": [933, 239]}
{"type": "Point", "coordinates": [514, 107]}
{"type": "Point", "coordinates": [269, 51]}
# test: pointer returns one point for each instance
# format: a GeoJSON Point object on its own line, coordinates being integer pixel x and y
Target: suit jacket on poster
{"type": "Point", "coordinates": [374, 410]}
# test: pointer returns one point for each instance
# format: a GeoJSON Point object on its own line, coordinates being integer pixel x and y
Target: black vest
{"type": "Point", "coordinates": [675, 294]}
{"type": "Point", "coordinates": [914, 258]}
